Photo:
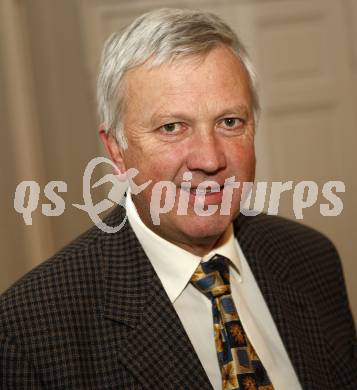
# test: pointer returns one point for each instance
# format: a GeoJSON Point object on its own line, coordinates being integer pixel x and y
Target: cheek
{"type": "Point", "coordinates": [251, 165]}
{"type": "Point", "coordinates": [165, 165]}
{"type": "Point", "coordinates": [152, 169]}
{"type": "Point", "coordinates": [155, 158]}
{"type": "Point", "coordinates": [242, 162]}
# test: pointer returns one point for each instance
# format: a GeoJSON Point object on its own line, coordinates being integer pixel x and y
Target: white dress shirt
{"type": "Point", "coordinates": [175, 266]}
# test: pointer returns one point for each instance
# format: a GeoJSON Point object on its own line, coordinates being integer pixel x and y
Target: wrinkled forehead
{"type": "Point", "coordinates": [212, 79]}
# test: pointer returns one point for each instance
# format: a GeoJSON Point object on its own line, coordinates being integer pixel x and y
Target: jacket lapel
{"type": "Point", "coordinates": [150, 339]}
{"type": "Point", "coordinates": [292, 310]}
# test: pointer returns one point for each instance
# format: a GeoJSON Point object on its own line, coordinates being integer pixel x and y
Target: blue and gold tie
{"type": "Point", "coordinates": [239, 364]}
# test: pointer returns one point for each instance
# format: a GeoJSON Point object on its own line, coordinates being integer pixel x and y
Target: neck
{"type": "Point", "coordinates": [199, 246]}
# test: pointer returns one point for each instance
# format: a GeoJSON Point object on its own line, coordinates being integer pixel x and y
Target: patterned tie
{"type": "Point", "coordinates": [239, 364]}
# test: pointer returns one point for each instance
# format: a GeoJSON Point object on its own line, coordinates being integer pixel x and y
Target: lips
{"type": "Point", "coordinates": [203, 191]}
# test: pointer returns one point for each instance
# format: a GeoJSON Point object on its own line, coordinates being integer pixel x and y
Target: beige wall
{"type": "Point", "coordinates": [48, 59]}
{"type": "Point", "coordinates": [21, 151]}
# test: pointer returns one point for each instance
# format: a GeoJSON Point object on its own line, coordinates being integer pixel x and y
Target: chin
{"type": "Point", "coordinates": [205, 228]}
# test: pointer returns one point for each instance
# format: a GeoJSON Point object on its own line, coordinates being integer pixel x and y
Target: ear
{"type": "Point", "coordinates": [114, 150]}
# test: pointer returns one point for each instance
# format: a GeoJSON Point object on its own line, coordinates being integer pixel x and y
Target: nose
{"type": "Point", "coordinates": [206, 153]}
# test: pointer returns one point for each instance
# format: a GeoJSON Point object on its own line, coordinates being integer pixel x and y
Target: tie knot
{"type": "Point", "coordinates": [212, 277]}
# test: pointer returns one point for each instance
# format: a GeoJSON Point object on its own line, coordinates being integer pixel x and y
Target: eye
{"type": "Point", "coordinates": [171, 127]}
{"type": "Point", "coordinates": [232, 123]}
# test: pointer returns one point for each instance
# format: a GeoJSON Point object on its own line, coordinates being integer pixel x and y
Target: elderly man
{"type": "Point", "coordinates": [199, 300]}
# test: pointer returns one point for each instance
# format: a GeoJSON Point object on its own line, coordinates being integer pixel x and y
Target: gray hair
{"type": "Point", "coordinates": [163, 35]}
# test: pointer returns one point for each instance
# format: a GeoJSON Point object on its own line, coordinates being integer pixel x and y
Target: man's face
{"type": "Point", "coordinates": [193, 115]}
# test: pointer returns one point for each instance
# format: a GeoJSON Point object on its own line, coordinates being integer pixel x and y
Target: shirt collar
{"type": "Point", "coordinates": [174, 265]}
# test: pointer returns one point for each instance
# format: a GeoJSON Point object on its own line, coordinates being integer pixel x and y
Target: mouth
{"type": "Point", "coordinates": [202, 190]}
{"type": "Point", "coordinates": [204, 194]}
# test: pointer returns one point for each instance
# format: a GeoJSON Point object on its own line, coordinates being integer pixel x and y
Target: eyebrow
{"type": "Point", "coordinates": [239, 109]}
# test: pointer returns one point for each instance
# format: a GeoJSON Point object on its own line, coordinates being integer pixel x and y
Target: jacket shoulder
{"type": "Point", "coordinates": [281, 234]}
{"type": "Point", "coordinates": [64, 283]}
{"type": "Point", "coordinates": [300, 254]}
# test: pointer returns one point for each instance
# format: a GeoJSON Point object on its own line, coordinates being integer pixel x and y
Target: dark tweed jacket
{"type": "Point", "coordinates": [95, 315]}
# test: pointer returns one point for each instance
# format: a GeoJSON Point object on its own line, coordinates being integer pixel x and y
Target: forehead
{"type": "Point", "coordinates": [194, 83]}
